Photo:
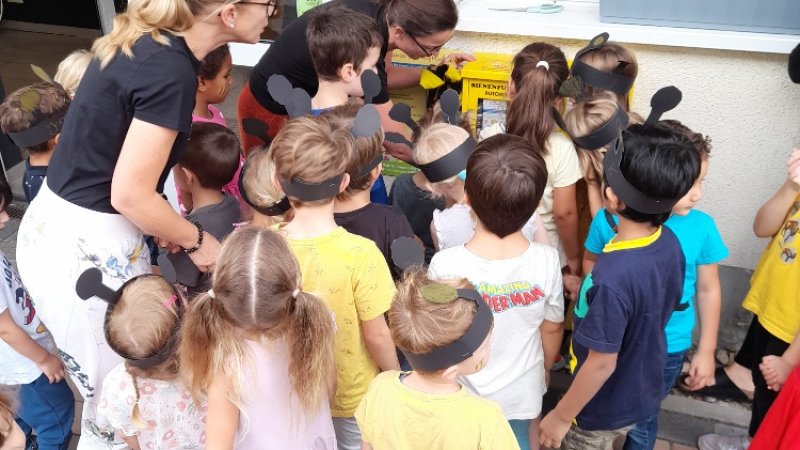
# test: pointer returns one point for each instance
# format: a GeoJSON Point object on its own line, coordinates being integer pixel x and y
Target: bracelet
{"type": "Point", "coordinates": [199, 239]}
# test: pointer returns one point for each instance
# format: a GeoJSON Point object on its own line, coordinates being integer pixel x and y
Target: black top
{"type": "Point", "coordinates": [157, 86]}
{"type": "Point", "coordinates": [32, 181]}
{"type": "Point", "coordinates": [289, 56]}
{"type": "Point", "coordinates": [418, 205]}
{"type": "Point", "coordinates": [380, 223]}
{"type": "Point", "coordinates": [219, 220]}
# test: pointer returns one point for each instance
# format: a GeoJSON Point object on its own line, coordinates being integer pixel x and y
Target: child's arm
{"type": "Point", "coordinates": [776, 369]}
{"type": "Point", "coordinates": [365, 446]}
{"type": "Point", "coordinates": [552, 334]}
{"type": "Point", "coordinates": [772, 214]}
{"type": "Point", "coordinates": [434, 239]}
{"type": "Point", "coordinates": [589, 260]}
{"type": "Point", "coordinates": [222, 417]}
{"type": "Point", "coordinates": [709, 303]}
{"type": "Point", "coordinates": [130, 441]}
{"type": "Point", "coordinates": [379, 343]}
{"type": "Point", "coordinates": [590, 378]}
{"type": "Point", "coordinates": [565, 214]}
{"type": "Point", "coordinates": [19, 340]}
{"type": "Point", "coordinates": [595, 197]}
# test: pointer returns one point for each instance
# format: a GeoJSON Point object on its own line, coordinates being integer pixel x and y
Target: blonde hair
{"type": "Point", "coordinates": [439, 140]}
{"type": "Point", "coordinates": [435, 115]}
{"type": "Point", "coordinates": [365, 149]}
{"type": "Point", "coordinates": [149, 300]}
{"type": "Point", "coordinates": [586, 117]}
{"type": "Point", "coordinates": [311, 149]}
{"type": "Point", "coordinates": [420, 326]}
{"type": "Point", "coordinates": [258, 186]}
{"type": "Point", "coordinates": [8, 407]}
{"type": "Point", "coordinates": [606, 58]}
{"type": "Point", "coordinates": [71, 70]}
{"type": "Point", "coordinates": [254, 295]}
{"type": "Point", "coordinates": [147, 17]}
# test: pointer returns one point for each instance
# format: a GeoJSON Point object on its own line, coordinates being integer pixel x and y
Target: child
{"type": "Point", "coordinates": [339, 58]}
{"type": "Point", "coordinates": [607, 66]}
{"type": "Point", "coordinates": [454, 225]}
{"type": "Point", "coordinates": [213, 85]}
{"type": "Point", "coordinates": [703, 249]}
{"type": "Point", "coordinates": [428, 408]}
{"type": "Point", "coordinates": [588, 116]}
{"type": "Point", "coordinates": [261, 350]}
{"type": "Point", "coordinates": [270, 206]}
{"type": "Point", "coordinates": [348, 272]}
{"type": "Point", "coordinates": [209, 162]}
{"type": "Point", "coordinates": [536, 77]}
{"type": "Point", "coordinates": [352, 208]}
{"type": "Point", "coordinates": [627, 299]}
{"type": "Point", "coordinates": [11, 436]}
{"type": "Point", "coordinates": [143, 398]}
{"type": "Point", "coordinates": [28, 359]}
{"type": "Point", "coordinates": [773, 300]}
{"type": "Point", "coordinates": [71, 70]}
{"type": "Point", "coordinates": [519, 280]}
{"type": "Point", "coordinates": [32, 117]}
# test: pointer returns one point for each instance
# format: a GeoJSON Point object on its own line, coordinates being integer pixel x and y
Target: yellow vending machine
{"type": "Point", "coordinates": [484, 89]}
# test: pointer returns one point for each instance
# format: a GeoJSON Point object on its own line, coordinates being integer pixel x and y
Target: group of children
{"type": "Point", "coordinates": [312, 333]}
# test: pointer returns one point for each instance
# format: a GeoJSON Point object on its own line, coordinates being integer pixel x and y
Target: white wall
{"type": "Point", "coordinates": [743, 100]}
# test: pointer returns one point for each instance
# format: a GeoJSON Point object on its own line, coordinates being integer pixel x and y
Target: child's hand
{"type": "Point", "coordinates": [52, 367]}
{"type": "Point", "coordinates": [701, 370]}
{"type": "Point", "coordinates": [794, 169]}
{"type": "Point", "coordinates": [552, 430]}
{"type": "Point", "coordinates": [572, 286]}
{"type": "Point", "coordinates": [400, 151]}
{"type": "Point", "coordinates": [775, 370]}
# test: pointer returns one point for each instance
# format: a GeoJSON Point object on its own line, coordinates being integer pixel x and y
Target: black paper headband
{"type": "Point", "coordinates": [665, 99]}
{"type": "Point", "coordinates": [44, 128]}
{"type": "Point", "coordinates": [615, 81]}
{"type": "Point", "coordinates": [600, 137]}
{"type": "Point", "coordinates": [407, 252]}
{"type": "Point", "coordinates": [275, 209]}
{"type": "Point", "coordinates": [90, 284]}
{"type": "Point", "coordinates": [450, 164]}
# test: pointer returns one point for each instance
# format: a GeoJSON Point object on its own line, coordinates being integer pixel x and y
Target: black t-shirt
{"type": "Point", "coordinates": [289, 56]}
{"type": "Point", "coordinates": [157, 86]}
{"type": "Point", "coordinates": [418, 205]}
{"type": "Point", "coordinates": [380, 223]}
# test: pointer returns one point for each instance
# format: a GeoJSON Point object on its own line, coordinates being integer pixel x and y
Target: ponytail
{"type": "Point", "coordinates": [145, 17]}
{"type": "Point", "coordinates": [209, 347]}
{"type": "Point", "coordinates": [539, 69]}
{"type": "Point", "coordinates": [136, 415]}
{"type": "Point", "coordinates": [311, 344]}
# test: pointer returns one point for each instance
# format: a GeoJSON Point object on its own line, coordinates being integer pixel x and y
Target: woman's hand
{"type": "Point", "coordinates": [458, 59]}
{"type": "Point", "coordinates": [205, 257]}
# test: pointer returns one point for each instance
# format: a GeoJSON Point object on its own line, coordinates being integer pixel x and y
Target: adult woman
{"type": "Point", "coordinates": [418, 28]}
{"type": "Point", "coordinates": [126, 127]}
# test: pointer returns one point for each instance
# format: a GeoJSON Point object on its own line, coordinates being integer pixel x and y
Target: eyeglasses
{"type": "Point", "coordinates": [271, 5]}
{"type": "Point", "coordinates": [429, 51]}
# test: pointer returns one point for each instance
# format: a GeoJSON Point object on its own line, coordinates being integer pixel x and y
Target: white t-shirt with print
{"type": "Point", "coordinates": [15, 368]}
{"type": "Point", "coordinates": [173, 420]}
{"type": "Point", "coordinates": [521, 292]}
{"type": "Point", "coordinates": [456, 226]}
{"type": "Point", "coordinates": [563, 169]}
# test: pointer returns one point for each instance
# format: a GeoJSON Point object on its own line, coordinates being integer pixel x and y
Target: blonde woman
{"type": "Point", "coordinates": [120, 138]}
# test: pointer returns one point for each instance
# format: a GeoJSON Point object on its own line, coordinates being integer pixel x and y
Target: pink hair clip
{"type": "Point", "coordinates": [169, 301]}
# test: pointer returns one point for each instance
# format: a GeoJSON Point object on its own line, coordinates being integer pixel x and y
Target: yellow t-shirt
{"type": "Point", "coordinates": [395, 416]}
{"type": "Point", "coordinates": [773, 295]}
{"type": "Point", "coordinates": [350, 275]}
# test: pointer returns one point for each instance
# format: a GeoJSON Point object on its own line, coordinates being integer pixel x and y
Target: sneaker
{"type": "Point", "coordinates": [720, 442]}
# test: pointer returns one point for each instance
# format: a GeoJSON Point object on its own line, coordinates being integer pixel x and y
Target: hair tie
{"type": "Point", "coordinates": [169, 301]}
{"type": "Point", "coordinates": [544, 64]}
{"type": "Point", "coordinates": [211, 293]}
{"type": "Point", "coordinates": [295, 293]}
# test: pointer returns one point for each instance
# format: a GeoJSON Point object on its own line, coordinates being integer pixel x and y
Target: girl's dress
{"type": "Point", "coordinates": [272, 416]}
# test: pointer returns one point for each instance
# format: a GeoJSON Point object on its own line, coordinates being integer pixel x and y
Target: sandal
{"type": "Point", "coordinates": [723, 387]}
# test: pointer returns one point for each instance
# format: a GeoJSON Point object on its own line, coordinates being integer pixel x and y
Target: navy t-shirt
{"type": "Point", "coordinates": [289, 56]}
{"type": "Point", "coordinates": [32, 181]}
{"type": "Point", "coordinates": [623, 307]}
{"type": "Point", "coordinates": [156, 86]}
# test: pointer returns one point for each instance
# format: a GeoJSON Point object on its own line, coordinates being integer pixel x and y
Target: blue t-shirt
{"type": "Point", "coordinates": [623, 307]}
{"type": "Point", "coordinates": [701, 244]}
{"type": "Point", "coordinates": [32, 181]}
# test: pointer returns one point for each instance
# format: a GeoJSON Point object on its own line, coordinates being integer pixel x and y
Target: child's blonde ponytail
{"type": "Point", "coordinates": [310, 339]}
{"type": "Point", "coordinates": [145, 17]}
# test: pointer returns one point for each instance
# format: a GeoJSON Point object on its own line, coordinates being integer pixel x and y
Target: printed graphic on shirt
{"type": "Point", "coordinates": [516, 294]}
{"type": "Point", "coordinates": [789, 232]}
{"type": "Point", "coordinates": [21, 297]}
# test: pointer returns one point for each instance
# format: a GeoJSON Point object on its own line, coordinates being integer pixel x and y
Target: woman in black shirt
{"type": "Point", "coordinates": [125, 129]}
